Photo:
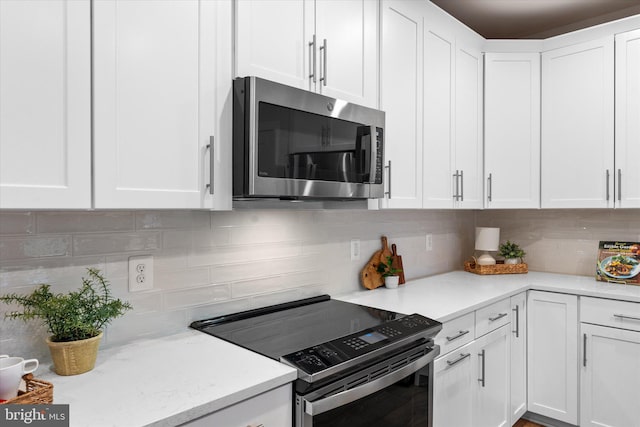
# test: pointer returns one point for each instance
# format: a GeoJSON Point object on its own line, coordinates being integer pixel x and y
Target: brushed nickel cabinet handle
{"type": "Point", "coordinates": [489, 189]}
{"type": "Point", "coordinates": [212, 161]}
{"type": "Point", "coordinates": [456, 195]}
{"type": "Point", "coordinates": [461, 186]}
{"type": "Point", "coordinates": [608, 185]}
{"type": "Point", "coordinates": [584, 350]}
{"type": "Point", "coordinates": [323, 58]}
{"type": "Point", "coordinates": [619, 185]}
{"type": "Point", "coordinates": [388, 193]}
{"type": "Point", "coordinates": [481, 380]}
{"type": "Point", "coordinates": [312, 58]}
{"type": "Point", "coordinates": [517, 311]}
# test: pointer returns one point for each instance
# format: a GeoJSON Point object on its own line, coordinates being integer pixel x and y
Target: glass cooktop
{"type": "Point", "coordinates": [278, 330]}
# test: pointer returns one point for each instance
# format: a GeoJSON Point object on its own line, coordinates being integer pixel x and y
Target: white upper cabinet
{"type": "Point", "coordinates": [453, 82]}
{"type": "Point", "coordinates": [512, 130]}
{"type": "Point", "coordinates": [627, 151]}
{"type": "Point", "coordinates": [162, 102]}
{"type": "Point", "coordinates": [439, 84]}
{"type": "Point", "coordinates": [468, 152]}
{"type": "Point", "coordinates": [272, 40]}
{"type": "Point", "coordinates": [431, 91]}
{"type": "Point", "coordinates": [578, 125]}
{"type": "Point", "coordinates": [401, 99]}
{"type": "Point", "coordinates": [45, 106]}
{"type": "Point", "coordinates": [347, 39]}
{"type": "Point", "coordinates": [325, 46]}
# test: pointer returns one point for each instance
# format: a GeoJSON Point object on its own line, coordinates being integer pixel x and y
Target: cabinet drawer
{"type": "Point", "coordinates": [273, 408]}
{"type": "Point", "coordinates": [492, 317]}
{"type": "Point", "coordinates": [607, 312]}
{"type": "Point", "coordinates": [456, 333]}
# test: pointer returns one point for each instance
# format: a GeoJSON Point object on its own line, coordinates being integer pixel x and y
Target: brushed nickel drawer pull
{"type": "Point", "coordinates": [455, 337]}
{"type": "Point", "coordinates": [459, 359]}
{"type": "Point", "coordinates": [623, 316]}
{"type": "Point", "coordinates": [498, 317]}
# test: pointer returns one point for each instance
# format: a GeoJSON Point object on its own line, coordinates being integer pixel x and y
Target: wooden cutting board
{"type": "Point", "coordinates": [396, 262]}
{"type": "Point", "coordinates": [369, 275]}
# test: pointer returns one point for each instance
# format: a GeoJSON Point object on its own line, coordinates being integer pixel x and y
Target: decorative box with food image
{"type": "Point", "coordinates": [619, 262]}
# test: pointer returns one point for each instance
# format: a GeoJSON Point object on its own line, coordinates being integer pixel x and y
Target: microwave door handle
{"type": "Point", "coordinates": [374, 154]}
{"type": "Point", "coordinates": [351, 395]}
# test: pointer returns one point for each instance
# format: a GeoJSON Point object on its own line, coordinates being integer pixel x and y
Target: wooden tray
{"type": "Point", "coordinates": [36, 392]}
{"type": "Point", "coordinates": [472, 267]}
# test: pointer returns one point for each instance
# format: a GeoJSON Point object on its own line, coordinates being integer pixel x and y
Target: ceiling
{"type": "Point", "coordinates": [535, 19]}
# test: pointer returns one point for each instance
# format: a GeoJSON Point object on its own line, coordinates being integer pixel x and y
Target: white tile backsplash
{"type": "Point", "coordinates": [211, 263]}
{"type": "Point", "coordinates": [563, 240]}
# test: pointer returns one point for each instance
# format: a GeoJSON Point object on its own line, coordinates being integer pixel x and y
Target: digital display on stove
{"type": "Point", "coordinates": [373, 337]}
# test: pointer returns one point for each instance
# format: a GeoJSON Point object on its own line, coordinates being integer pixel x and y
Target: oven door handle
{"type": "Point", "coordinates": [327, 404]}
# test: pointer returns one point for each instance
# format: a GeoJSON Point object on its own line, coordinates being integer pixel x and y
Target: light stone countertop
{"type": "Point", "coordinates": [171, 380]}
{"type": "Point", "coordinates": [446, 296]}
{"type": "Point", "coordinates": [165, 381]}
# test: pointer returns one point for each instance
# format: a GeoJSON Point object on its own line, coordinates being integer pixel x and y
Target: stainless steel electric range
{"type": "Point", "coordinates": [357, 365]}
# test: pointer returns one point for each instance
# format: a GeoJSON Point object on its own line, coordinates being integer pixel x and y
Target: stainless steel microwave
{"type": "Point", "coordinates": [290, 143]}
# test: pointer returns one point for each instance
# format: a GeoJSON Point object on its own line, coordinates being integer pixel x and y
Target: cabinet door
{"type": "Point", "coordinates": [552, 355]}
{"type": "Point", "coordinates": [401, 99]}
{"type": "Point", "coordinates": [347, 37]}
{"type": "Point", "coordinates": [518, 405]}
{"type": "Point", "coordinates": [512, 130]}
{"type": "Point", "coordinates": [455, 381]}
{"type": "Point", "coordinates": [610, 377]}
{"type": "Point", "coordinates": [627, 119]}
{"type": "Point", "coordinates": [492, 386]}
{"type": "Point", "coordinates": [577, 125]}
{"type": "Point", "coordinates": [468, 149]}
{"type": "Point", "coordinates": [157, 78]}
{"type": "Point", "coordinates": [273, 41]}
{"type": "Point", "coordinates": [439, 84]}
{"type": "Point", "coordinates": [45, 107]}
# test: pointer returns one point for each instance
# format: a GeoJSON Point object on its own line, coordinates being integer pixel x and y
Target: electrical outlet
{"type": "Point", "coordinates": [429, 242]}
{"type": "Point", "coordinates": [140, 273]}
{"type": "Point", "coordinates": [355, 249]}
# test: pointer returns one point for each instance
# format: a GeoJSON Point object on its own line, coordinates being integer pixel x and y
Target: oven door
{"type": "Point", "coordinates": [402, 396]}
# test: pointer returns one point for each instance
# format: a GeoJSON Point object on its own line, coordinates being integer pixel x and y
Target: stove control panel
{"type": "Point", "coordinates": [323, 356]}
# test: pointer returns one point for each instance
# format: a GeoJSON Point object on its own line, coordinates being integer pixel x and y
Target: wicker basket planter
{"type": "Point", "coordinates": [74, 357]}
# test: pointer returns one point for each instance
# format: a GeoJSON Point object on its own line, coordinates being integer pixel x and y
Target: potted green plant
{"type": "Point", "coordinates": [511, 252]}
{"type": "Point", "coordinates": [75, 320]}
{"type": "Point", "coordinates": [389, 273]}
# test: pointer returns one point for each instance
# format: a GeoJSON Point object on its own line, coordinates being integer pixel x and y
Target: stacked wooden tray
{"type": "Point", "coordinates": [35, 392]}
{"type": "Point", "coordinates": [473, 267]}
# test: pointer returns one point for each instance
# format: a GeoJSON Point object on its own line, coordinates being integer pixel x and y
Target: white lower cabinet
{"type": "Point", "coordinates": [491, 407]}
{"type": "Point", "coordinates": [610, 363]}
{"type": "Point", "coordinates": [552, 355]}
{"type": "Point", "coordinates": [471, 382]}
{"type": "Point", "coordinates": [273, 408]}
{"type": "Point", "coordinates": [453, 384]}
{"type": "Point", "coordinates": [518, 356]}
